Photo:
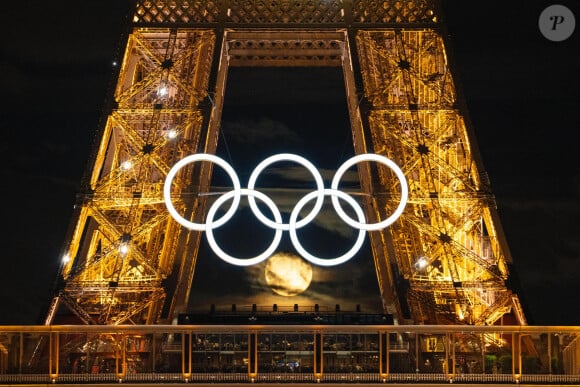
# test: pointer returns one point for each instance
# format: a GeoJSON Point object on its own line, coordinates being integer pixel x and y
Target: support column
{"type": "Point", "coordinates": [516, 356]}
{"type": "Point", "coordinates": [121, 358]}
{"type": "Point", "coordinates": [53, 356]}
{"type": "Point", "coordinates": [318, 356]}
{"type": "Point", "coordinates": [186, 355]}
{"type": "Point", "coordinates": [449, 356]}
{"type": "Point", "coordinates": [384, 355]}
{"type": "Point", "coordinates": [253, 355]}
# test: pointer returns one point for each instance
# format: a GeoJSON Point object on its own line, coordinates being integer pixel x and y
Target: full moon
{"type": "Point", "coordinates": [288, 274]}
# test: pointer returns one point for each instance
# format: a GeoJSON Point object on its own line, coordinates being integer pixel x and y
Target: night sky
{"type": "Point", "coordinates": [522, 92]}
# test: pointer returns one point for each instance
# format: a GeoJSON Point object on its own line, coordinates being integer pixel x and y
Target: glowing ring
{"type": "Point", "coordinates": [404, 191]}
{"type": "Point", "coordinates": [191, 159]}
{"type": "Point", "coordinates": [319, 185]}
{"type": "Point", "coordinates": [293, 223]}
{"type": "Point", "coordinates": [320, 261]}
{"type": "Point", "coordinates": [222, 254]}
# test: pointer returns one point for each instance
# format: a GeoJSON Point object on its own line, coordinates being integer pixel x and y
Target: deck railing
{"type": "Point", "coordinates": [296, 353]}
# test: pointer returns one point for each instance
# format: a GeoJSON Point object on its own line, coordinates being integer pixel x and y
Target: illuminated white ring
{"type": "Point", "coordinates": [293, 224]}
{"type": "Point", "coordinates": [210, 226]}
{"type": "Point", "coordinates": [385, 161]}
{"type": "Point", "coordinates": [319, 185]}
{"type": "Point", "coordinates": [334, 261]}
{"type": "Point", "coordinates": [191, 159]}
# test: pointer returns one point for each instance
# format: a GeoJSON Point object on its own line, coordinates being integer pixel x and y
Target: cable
{"type": "Point", "coordinates": [226, 146]}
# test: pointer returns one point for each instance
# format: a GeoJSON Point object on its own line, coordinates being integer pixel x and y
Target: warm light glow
{"type": "Point", "coordinates": [460, 313]}
{"type": "Point", "coordinates": [172, 134]}
{"type": "Point", "coordinates": [421, 263]}
{"type": "Point", "coordinates": [65, 258]}
{"type": "Point", "coordinates": [126, 165]}
{"type": "Point", "coordinates": [287, 274]}
{"type": "Point", "coordinates": [162, 92]}
{"type": "Point", "coordinates": [123, 249]}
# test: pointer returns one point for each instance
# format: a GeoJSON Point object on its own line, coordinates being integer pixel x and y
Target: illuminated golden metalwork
{"type": "Point", "coordinates": [123, 246]}
{"type": "Point", "coordinates": [444, 261]}
{"type": "Point", "coordinates": [448, 246]}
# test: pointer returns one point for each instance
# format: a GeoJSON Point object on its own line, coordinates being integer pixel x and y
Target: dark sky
{"type": "Point", "coordinates": [308, 117]}
{"type": "Point", "coordinates": [522, 92]}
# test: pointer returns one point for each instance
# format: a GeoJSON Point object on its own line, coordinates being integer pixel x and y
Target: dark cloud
{"type": "Point", "coordinates": [328, 287]}
{"type": "Point", "coordinates": [302, 175]}
{"type": "Point", "coordinates": [263, 131]}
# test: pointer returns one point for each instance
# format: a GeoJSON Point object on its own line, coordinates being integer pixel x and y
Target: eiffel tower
{"type": "Point", "coordinates": [445, 260]}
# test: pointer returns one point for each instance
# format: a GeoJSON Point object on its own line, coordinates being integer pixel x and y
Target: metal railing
{"type": "Point", "coordinates": [289, 353]}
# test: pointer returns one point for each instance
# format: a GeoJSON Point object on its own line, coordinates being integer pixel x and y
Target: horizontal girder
{"type": "Point", "coordinates": [284, 13]}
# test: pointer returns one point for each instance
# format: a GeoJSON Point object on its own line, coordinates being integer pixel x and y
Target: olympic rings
{"type": "Point", "coordinates": [293, 223]}
{"type": "Point", "coordinates": [190, 159]}
{"type": "Point", "coordinates": [237, 261]}
{"type": "Point", "coordinates": [305, 254]}
{"type": "Point", "coordinates": [383, 160]}
{"type": "Point", "coordinates": [315, 174]}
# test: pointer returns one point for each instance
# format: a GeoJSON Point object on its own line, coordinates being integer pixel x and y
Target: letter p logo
{"type": "Point", "coordinates": [556, 23]}
{"type": "Point", "coordinates": [557, 20]}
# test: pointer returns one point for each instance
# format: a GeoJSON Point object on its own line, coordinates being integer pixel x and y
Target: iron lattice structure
{"type": "Point", "coordinates": [444, 261]}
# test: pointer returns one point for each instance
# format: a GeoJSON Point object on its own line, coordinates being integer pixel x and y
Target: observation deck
{"type": "Point", "coordinates": [296, 354]}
